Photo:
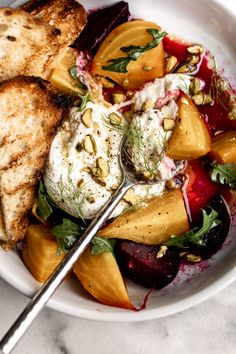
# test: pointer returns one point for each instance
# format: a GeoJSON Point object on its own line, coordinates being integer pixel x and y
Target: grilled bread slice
{"type": "Point", "coordinates": [68, 16]}
{"type": "Point", "coordinates": [28, 46]}
{"type": "Point", "coordinates": [30, 115]}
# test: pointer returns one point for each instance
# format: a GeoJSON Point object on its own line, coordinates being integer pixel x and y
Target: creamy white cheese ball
{"type": "Point", "coordinates": [70, 176]}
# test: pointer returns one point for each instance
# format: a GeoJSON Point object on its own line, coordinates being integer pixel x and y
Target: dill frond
{"type": "Point", "coordinates": [136, 147]}
{"type": "Point", "coordinates": [220, 91]}
{"type": "Point", "coordinates": [68, 190]}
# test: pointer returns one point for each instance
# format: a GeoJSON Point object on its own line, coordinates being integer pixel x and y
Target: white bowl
{"type": "Point", "coordinates": [210, 24]}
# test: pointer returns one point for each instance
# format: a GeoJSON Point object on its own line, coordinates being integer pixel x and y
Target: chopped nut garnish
{"type": "Point", "coordinates": [195, 49]}
{"type": "Point", "coordinates": [125, 82]}
{"type": "Point", "coordinates": [168, 124]}
{"type": "Point", "coordinates": [192, 258]}
{"type": "Point", "coordinates": [91, 200]}
{"type": "Point", "coordinates": [115, 119]}
{"type": "Point", "coordinates": [147, 68]}
{"type": "Point", "coordinates": [170, 184]}
{"type": "Point", "coordinates": [106, 83]}
{"type": "Point", "coordinates": [161, 252]}
{"type": "Point", "coordinates": [130, 197]}
{"type": "Point", "coordinates": [171, 63]}
{"type": "Point", "coordinates": [148, 104]}
{"type": "Point", "coordinates": [90, 144]}
{"type": "Point", "coordinates": [202, 98]}
{"type": "Point", "coordinates": [195, 86]}
{"type": "Point", "coordinates": [118, 98]}
{"type": "Point", "coordinates": [100, 181]}
{"type": "Point", "coordinates": [81, 183]}
{"type": "Point", "coordinates": [87, 117]}
{"type": "Point", "coordinates": [96, 129]}
{"type": "Point", "coordinates": [103, 166]}
{"type": "Point", "coordinates": [193, 59]}
{"type": "Point", "coordinates": [186, 68]}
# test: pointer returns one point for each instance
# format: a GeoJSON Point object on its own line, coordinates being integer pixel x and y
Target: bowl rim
{"type": "Point", "coordinates": [131, 316]}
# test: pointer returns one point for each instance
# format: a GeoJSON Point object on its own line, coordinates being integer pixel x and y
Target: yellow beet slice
{"type": "Point", "coordinates": [101, 277]}
{"type": "Point", "coordinates": [147, 67]}
{"type": "Point", "coordinates": [223, 148]}
{"type": "Point", "coordinates": [60, 77]}
{"type": "Point", "coordinates": [40, 253]}
{"type": "Point", "coordinates": [153, 224]}
{"type": "Point", "coordinates": [190, 138]}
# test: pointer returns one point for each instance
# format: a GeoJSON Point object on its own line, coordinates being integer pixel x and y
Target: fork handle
{"type": "Point", "coordinates": [37, 303]}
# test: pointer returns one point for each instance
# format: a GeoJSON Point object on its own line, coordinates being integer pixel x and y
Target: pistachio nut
{"type": "Point", "coordinates": [87, 117]}
{"type": "Point", "coordinates": [118, 98]}
{"type": "Point", "coordinates": [90, 145]}
{"type": "Point", "coordinates": [115, 119]}
{"type": "Point", "coordinates": [202, 98]}
{"type": "Point", "coordinates": [171, 63]}
{"type": "Point", "coordinates": [186, 68]}
{"type": "Point", "coordinates": [195, 49]}
{"type": "Point", "coordinates": [148, 104]}
{"type": "Point", "coordinates": [192, 258]}
{"type": "Point", "coordinates": [103, 167]}
{"type": "Point", "coordinates": [96, 129]}
{"type": "Point", "coordinates": [168, 124]}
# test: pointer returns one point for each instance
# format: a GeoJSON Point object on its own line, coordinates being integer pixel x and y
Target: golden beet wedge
{"type": "Point", "coordinates": [40, 253]}
{"type": "Point", "coordinates": [190, 138]}
{"type": "Point", "coordinates": [60, 77]}
{"type": "Point", "coordinates": [154, 224]}
{"type": "Point", "coordinates": [101, 277]}
{"type": "Point", "coordinates": [223, 148]}
{"type": "Point", "coordinates": [148, 66]}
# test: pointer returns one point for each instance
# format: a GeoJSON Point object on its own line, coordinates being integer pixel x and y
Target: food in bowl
{"type": "Point", "coordinates": [178, 114]}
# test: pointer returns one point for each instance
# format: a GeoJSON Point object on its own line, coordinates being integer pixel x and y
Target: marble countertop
{"type": "Point", "coordinates": [207, 328]}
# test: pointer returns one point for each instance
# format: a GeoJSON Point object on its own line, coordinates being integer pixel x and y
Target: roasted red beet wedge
{"type": "Point", "coordinates": [100, 23]}
{"type": "Point", "coordinates": [140, 264]}
{"type": "Point", "coordinates": [215, 238]}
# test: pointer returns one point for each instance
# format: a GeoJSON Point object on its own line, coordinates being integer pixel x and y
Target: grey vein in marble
{"type": "Point", "coordinates": [209, 328]}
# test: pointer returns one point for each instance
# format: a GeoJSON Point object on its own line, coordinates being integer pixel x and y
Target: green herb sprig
{"type": "Point", "coordinates": [101, 245]}
{"type": "Point", "coordinates": [67, 234]}
{"type": "Point", "coordinates": [195, 236]}
{"type": "Point", "coordinates": [224, 174]}
{"type": "Point", "coordinates": [73, 74]}
{"type": "Point", "coordinates": [44, 208]}
{"type": "Point", "coordinates": [84, 100]}
{"type": "Point", "coordinates": [134, 52]}
{"type": "Point", "coordinates": [133, 132]}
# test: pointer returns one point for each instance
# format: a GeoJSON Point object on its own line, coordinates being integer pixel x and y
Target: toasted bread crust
{"type": "Point", "coordinates": [28, 46]}
{"type": "Point", "coordinates": [68, 16]}
{"type": "Point", "coordinates": [27, 128]}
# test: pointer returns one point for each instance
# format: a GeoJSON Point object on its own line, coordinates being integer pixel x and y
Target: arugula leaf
{"type": "Point", "coordinates": [84, 100]}
{"type": "Point", "coordinates": [118, 65]}
{"type": "Point", "coordinates": [134, 52]}
{"type": "Point", "coordinates": [73, 72]}
{"type": "Point", "coordinates": [43, 209]}
{"type": "Point", "coordinates": [224, 174]}
{"type": "Point", "coordinates": [195, 236]}
{"type": "Point", "coordinates": [101, 244]}
{"type": "Point", "coordinates": [67, 234]}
